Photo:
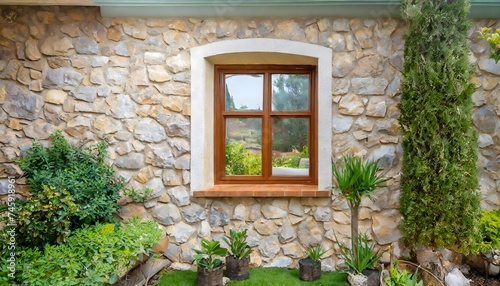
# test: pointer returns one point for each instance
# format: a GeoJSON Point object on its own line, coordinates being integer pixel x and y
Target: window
{"type": "Point", "coordinates": [251, 52]}
{"type": "Point", "coordinates": [265, 124]}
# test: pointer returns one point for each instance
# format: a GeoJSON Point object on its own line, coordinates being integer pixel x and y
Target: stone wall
{"type": "Point", "coordinates": [127, 81]}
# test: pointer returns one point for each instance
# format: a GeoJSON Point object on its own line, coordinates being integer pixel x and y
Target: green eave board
{"type": "Point", "coordinates": [271, 8]}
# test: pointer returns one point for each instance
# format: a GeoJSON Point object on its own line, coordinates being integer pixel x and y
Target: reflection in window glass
{"type": "Point", "coordinates": [244, 91]}
{"type": "Point", "coordinates": [290, 92]}
{"type": "Point", "coordinates": [290, 147]}
{"type": "Point", "coordinates": [243, 146]}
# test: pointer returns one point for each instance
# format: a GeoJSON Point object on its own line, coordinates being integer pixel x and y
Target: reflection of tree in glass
{"type": "Point", "coordinates": [290, 93]}
{"type": "Point", "coordinates": [229, 100]}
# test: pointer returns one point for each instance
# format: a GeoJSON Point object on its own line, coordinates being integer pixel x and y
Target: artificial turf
{"type": "Point", "coordinates": [258, 277]}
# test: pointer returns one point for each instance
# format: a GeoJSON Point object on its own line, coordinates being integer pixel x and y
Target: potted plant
{"type": "Point", "coordinates": [210, 272]}
{"type": "Point", "coordinates": [355, 179]}
{"type": "Point", "coordinates": [237, 263]}
{"type": "Point", "coordinates": [361, 263]}
{"type": "Point", "coordinates": [310, 267]}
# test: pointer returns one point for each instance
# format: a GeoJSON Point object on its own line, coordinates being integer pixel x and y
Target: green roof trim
{"type": "Point", "coordinates": [271, 8]}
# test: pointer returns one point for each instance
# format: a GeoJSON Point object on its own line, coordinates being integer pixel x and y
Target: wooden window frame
{"type": "Point", "coordinates": [220, 114]}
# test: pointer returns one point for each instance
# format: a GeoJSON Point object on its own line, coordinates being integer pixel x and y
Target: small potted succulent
{"type": "Point", "coordinates": [237, 263]}
{"type": "Point", "coordinates": [310, 267]}
{"type": "Point", "coordinates": [210, 268]}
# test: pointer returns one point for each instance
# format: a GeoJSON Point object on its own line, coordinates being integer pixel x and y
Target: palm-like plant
{"type": "Point", "coordinates": [356, 179]}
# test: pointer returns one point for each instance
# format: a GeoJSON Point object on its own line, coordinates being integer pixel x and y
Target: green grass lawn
{"type": "Point", "coordinates": [259, 277]}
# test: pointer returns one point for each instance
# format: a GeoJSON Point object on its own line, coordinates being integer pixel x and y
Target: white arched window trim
{"type": "Point", "coordinates": [253, 51]}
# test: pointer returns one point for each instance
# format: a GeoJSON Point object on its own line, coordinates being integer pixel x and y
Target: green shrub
{"type": "Point", "coordinates": [240, 161]}
{"type": "Point", "coordinates": [237, 243]}
{"type": "Point", "coordinates": [493, 38]}
{"type": "Point", "coordinates": [93, 255]}
{"type": "Point", "coordinates": [489, 226]}
{"type": "Point", "coordinates": [439, 202]}
{"type": "Point", "coordinates": [92, 184]}
{"type": "Point", "coordinates": [402, 278]}
{"type": "Point", "coordinates": [44, 217]}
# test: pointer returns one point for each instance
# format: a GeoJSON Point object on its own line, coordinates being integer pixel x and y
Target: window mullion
{"type": "Point", "coordinates": [266, 128]}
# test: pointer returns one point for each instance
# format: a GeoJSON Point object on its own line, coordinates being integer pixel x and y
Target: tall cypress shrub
{"type": "Point", "coordinates": [439, 201]}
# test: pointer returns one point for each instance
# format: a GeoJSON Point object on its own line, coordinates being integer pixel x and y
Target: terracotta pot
{"type": "Point", "coordinates": [237, 269]}
{"type": "Point", "coordinates": [310, 270]}
{"type": "Point", "coordinates": [211, 277]}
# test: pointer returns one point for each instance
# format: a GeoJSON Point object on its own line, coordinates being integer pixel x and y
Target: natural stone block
{"type": "Point", "coordinates": [386, 226]}
{"type": "Point", "coordinates": [131, 161]}
{"type": "Point", "coordinates": [121, 106]}
{"type": "Point", "coordinates": [269, 246]}
{"type": "Point", "coordinates": [55, 46]}
{"type": "Point", "coordinates": [351, 104]}
{"type": "Point", "coordinates": [376, 107]}
{"type": "Point", "coordinates": [85, 93]}
{"type": "Point", "coordinates": [61, 77]}
{"type": "Point", "coordinates": [369, 86]}
{"type": "Point", "coordinates": [309, 232]}
{"type": "Point", "coordinates": [149, 130]}
{"type": "Point", "coordinates": [180, 232]}
{"type": "Point", "coordinates": [193, 213]}
{"type": "Point", "coordinates": [166, 214]}
{"type": "Point", "coordinates": [179, 62]}
{"type": "Point", "coordinates": [39, 130]}
{"type": "Point", "coordinates": [341, 124]}
{"type": "Point", "coordinates": [272, 212]}
{"type": "Point", "coordinates": [32, 52]}
{"type": "Point", "coordinates": [21, 103]}
{"type": "Point", "coordinates": [485, 119]}
{"type": "Point", "coordinates": [219, 214]}
{"type": "Point", "coordinates": [85, 45]}
{"type": "Point", "coordinates": [179, 196]}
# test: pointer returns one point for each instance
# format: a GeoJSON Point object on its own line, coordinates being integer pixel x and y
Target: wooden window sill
{"type": "Point", "coordinates": [264, 191]}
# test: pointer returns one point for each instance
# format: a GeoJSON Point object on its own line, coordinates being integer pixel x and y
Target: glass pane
{"type": "Point", "coordinates": [290, 144]}
{"type": "Point", "coordinates": [244, 91]}
{"type": "Point", "coordinates": [290, 92]}
{"type": "Point", "coordinates": [243, 146]}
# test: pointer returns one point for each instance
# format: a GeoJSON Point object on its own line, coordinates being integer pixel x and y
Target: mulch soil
{"type": "Point", "coordinates": [478, 279]}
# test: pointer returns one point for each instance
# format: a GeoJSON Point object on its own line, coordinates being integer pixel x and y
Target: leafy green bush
{"type": "Point", "coordinates": [92, 184]}
{"type": "Point", "coordinates": [439, 202]}
{"type": "Point", "coordinates": [240, 161]}
{"type": "Point", "coordinates": [402, 278]}
{"type": "Point", "coordinates": [493, 38]}
{"type": "Point", "coordinates": [239, 247]}
{"type": "Point", "coordinates": [206, 256]}
{"type": "Point", "coordinates": [93, 255]}
{"type": "Point", "coordinates": [45, 217]}
{"type": "Point", "coordinates": [489, 226]}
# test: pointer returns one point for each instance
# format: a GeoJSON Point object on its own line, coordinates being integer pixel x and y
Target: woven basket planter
{"type": "Point", "coordinates": [310, 270]}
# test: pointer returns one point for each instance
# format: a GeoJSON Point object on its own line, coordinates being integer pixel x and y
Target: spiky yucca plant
{"type": "Point", "coordinates": [355, 179]}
